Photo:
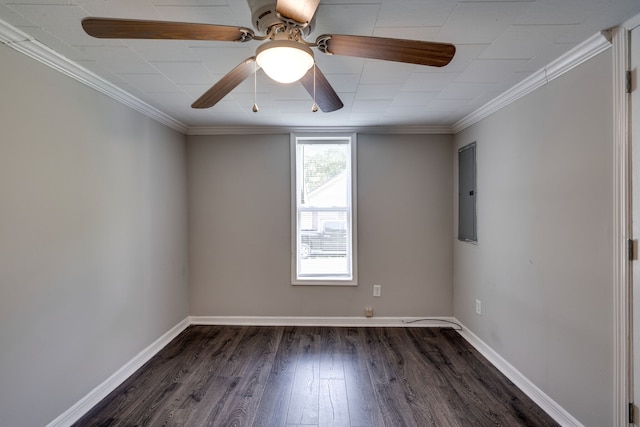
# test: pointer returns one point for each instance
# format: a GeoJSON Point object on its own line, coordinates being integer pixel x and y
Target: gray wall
{"type": "Point", "coordinates": [93, 238]}
{"type": "Point", "coordinates": [239, 229]}
{"type": "Point", "coordinates": [543, 265]}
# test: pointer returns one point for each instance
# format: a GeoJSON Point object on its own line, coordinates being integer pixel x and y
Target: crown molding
{"type": "Point", "coordinates": [583, 52]}
{"type": "Point", "coordinates": [23, 43]}
{"type": "Point", "coordinates": [274, 130]}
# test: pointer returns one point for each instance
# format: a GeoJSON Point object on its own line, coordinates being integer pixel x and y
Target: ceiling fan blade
{"type": "Point", "coordinates": [226, 84]}
{"type": "Point", "coordinates": [411, 51]}
{"type": "Point", "coordinates": [301, 11]}
{"type": "Point", "coordinates": [110, 28]}
{"type": "Point", "coordinates": [325, 97]}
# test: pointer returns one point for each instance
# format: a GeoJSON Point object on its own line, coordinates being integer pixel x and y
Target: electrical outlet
{"type": "Point", "coordinates": [368, 311]}
{"type": "Point", "coordinates": [479, 307]}
{"type": "Point", "coordinates": [377, 290]}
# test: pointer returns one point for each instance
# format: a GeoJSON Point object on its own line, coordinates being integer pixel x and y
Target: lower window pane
{"type": "Point", "coordinates": [324, 244]}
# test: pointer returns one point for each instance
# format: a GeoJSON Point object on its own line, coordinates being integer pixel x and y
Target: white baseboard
{"type": "Point", "coordinates": [85, 404]}
{"type": "Point", "coordinates": [323, 321]}
{"type": "Point", "coordinates": [552, 408]}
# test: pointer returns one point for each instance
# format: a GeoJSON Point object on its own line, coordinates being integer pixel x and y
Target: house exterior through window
{"type": "Point", "coordinates": [323, 209]}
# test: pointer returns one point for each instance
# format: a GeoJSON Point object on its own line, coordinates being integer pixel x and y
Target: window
{"type": "Point", "coordinates": [467, 193]}
{"type": "Point", "coordinates": [324, 211]}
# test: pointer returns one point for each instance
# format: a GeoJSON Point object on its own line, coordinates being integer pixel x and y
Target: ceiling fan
{"type": "Point", "coordinates": [286, 57]}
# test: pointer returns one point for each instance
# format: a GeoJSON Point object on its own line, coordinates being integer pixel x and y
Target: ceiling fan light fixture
{"type": "Point", "coordinates": [285, 61]}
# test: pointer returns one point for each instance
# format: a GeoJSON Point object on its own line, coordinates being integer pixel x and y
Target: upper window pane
{"type": "Point", "coordinates": [324, 174]}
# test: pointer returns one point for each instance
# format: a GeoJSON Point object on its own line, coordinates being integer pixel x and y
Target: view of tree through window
{"type": "Point", "coordinates": [321, 164]}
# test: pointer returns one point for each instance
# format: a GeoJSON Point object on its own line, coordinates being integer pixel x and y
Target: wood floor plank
{"type": "Point", "coordinates": [331, 364]}
{"type": "Point", "coordinates": [304, 403]}
{"type": "Point", "coordinates": [286, 357]}
{"type": "Point", "coordinates": [201, 370]}
{"type": "Point", "coordinates": [275, 402]}
{"type": "Point", "coordinates": [363, 406]}
{"type": "Point", "coordinates": [197, 397]}
{"type": "Point", "coordinates": [416, 376]}
{"type": "Point", "coordinates": [313, 376]}
{"type": "Point", "coordinates": [493, 390]}
{"type": "Point", "coordinates": [140, 397]}
{"type": "Point", "coordinates": [137, 392]}
{"type": "Point", "coordinates": [333, 408]}
{"type": "Point", "coordinates": [247, 371]}
{"type": "Point", "coordinates": [388, 390]}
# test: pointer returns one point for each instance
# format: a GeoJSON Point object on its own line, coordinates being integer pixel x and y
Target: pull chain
{"type": "Point", "coordinates": [255, 87]}
{"type": "Point", "coordinates": [314, 108]}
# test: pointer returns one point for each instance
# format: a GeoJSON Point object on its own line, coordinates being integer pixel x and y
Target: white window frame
{"type": "Point", "coordinates": [295, 182]}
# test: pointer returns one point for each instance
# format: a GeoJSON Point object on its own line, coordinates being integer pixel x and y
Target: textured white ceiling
{"type": "Point", "coordinates": [499, 43]}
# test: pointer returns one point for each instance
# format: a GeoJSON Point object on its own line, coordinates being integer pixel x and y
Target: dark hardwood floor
{"type": "Point", "coordinates": [317, 376]}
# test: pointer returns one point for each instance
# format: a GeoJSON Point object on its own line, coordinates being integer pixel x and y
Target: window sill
{"type": "Point", "coordinates": [349, 283]}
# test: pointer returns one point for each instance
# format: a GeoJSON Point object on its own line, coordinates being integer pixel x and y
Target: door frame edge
{"type": "Point", "coordinates": [623, 369]}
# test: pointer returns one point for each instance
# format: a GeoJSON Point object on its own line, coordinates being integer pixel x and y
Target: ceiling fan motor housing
{"type": "Point", "coordinates": [264, 16]}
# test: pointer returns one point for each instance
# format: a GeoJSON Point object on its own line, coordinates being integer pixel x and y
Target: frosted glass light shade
{"type": "Point", "coordinates": [285, 61]}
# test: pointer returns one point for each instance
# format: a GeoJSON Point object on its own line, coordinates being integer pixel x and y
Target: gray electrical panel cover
{"type": "Point", "coordinates": [467, 194]}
